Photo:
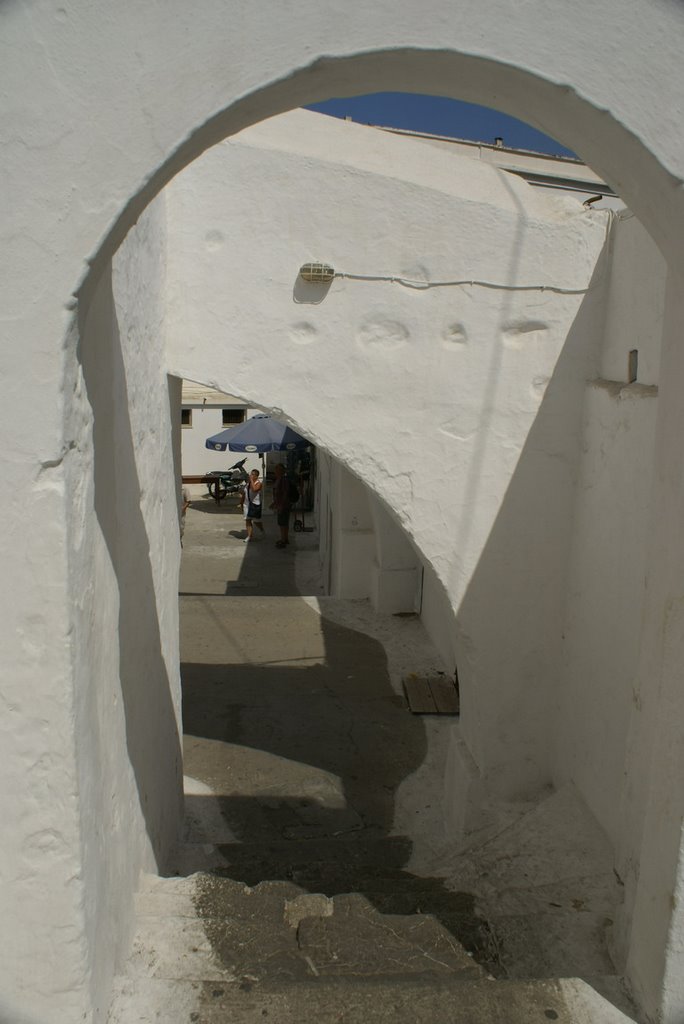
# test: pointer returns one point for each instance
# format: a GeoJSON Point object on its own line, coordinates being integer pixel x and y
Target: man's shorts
{"type": "Point", "coordinates": [283, 517]}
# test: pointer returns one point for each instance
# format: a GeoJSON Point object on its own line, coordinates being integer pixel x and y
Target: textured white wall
{"type": "Point", "coordinates": [196, 458]}
{"type": "Point", "coordinates": [100, 107]}
{"type": "Point", "coordinates": [653, 799]}
{"type": "Point", "coordinates": [613, 507]}
{"type": "Point", "coordinates": [635, 305]}
{"type": "Point", "coordinates": [605, 597]}
{"type": "Point", "coordinates": [460, 405]}
{"type": "Point", "coordinates": [397, 572]}
{"type": "Point", "coordinates": [123, 532]}
{"type": "Point", "coordinates": [348, 550]}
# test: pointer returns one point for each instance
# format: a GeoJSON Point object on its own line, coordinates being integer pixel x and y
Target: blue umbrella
{"type": "Point", "coordinates": [259, 434]}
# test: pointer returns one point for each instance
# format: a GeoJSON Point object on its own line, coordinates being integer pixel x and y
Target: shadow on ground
{"type": "Point", "coordinates": [302, 744]}
{"type": "Point", "coordinates": [216, 561]}
{"type": "Point", "coordinates": [296, 745]}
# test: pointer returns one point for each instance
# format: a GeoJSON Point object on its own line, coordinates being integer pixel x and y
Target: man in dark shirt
{"type": "Point", "coordinates": [282, 504]}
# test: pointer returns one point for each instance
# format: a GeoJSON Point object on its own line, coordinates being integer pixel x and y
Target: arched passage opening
{"type": "Point", "coordinates": [373, 359]}
{"type": "Point", "coordinates": [598, 137]}
{"type": "Point", "coordinates": [614, 150]}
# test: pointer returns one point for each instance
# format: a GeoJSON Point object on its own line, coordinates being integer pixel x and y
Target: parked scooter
{"type": "Point", "coordinates": [228, 481]}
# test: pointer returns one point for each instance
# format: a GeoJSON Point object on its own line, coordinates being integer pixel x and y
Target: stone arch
{"type": "Point", "coordinates": [502, 56]}
{"type": "Point", "coordinates": [216, 128]}
{"type": "Point", "coordinates": [612, 148]}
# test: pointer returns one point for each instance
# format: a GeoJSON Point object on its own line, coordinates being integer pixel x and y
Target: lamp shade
{"type": "Point", "coordinates": [261, 433]}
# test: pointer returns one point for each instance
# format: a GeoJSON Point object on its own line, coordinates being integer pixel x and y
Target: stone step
{"type": "Point", "coordinates": [367, 846]}
{"type": "Point", "coordinates": [212, 896]}
{"type": "Point", "coordinates": [177, 896]}
{"type": "Point", "coordinates": [333, 879]}
{"type": "Point", "coordinates": [356, 940]}
{"type": "Point", "coordinates": [331, 866]}
{"type": "Point", "coordinates": [186, 949]}
{"type": "Point", "coordinates": [389, 890]}
{"type": "Point", "coordinates": [287, 940]}
{"type": "Point", "coordinates": [416, 999]}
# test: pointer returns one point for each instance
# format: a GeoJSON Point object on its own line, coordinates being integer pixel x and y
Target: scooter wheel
{"type": "Point", "coordinates": [298, 526]}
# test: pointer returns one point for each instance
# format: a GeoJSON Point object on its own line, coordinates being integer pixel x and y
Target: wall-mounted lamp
{"type": "Point", "coordinates": [317, 273]}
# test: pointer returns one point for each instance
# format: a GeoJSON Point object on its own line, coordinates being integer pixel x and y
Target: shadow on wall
{"type": "Point", "coordinates": [475, 483]}
{"type": "Point", "coordinates": [510, 621]}
{"type": "Point", "coordinates": [151, 729]}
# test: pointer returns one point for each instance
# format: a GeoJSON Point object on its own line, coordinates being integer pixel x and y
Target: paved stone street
{"type": "Point", "coordinates": [323, 871]}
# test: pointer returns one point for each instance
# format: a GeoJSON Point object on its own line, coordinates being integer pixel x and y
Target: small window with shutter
{"type": "Point", "coordinates": [233, 416]}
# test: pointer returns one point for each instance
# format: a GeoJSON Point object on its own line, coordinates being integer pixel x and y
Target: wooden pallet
{"type": "Point", "coordinates": [431, 695]}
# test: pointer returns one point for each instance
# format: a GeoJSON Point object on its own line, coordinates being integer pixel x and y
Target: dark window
{"type": "Point", "coordinates": [186, 417]}
{"type": "Point", "coordinates": [231, 416]}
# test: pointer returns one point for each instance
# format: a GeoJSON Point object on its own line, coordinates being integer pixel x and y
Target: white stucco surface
{"type": "Point", "coordinates": [612, 520]}
{"type": "Point", "coordinates": [206, 415]}
{"type": "Point", "coordinates": [196, 457]}
{"type": "Point", "coordinates": [125, 556]}
{"type": "Point", "coordinates": [427, 392]}
{"type": "Point", "coordinates": [605, 596]}
{"type": "Point", "coordinates": [101, 106]}
{"type": "Point", "coordinates": [635, 303]}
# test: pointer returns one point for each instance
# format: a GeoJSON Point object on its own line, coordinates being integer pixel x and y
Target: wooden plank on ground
{"type": "Point", "coordinates": [431, 695]}
{"type": "Point", "coordinates": [445, 695]}
{"type": "Point", "coordinates": [419, 695]}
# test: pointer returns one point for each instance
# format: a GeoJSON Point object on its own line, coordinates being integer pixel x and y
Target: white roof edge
{"type": "Point", "coordinates": [199, 394]}
{"type": "Point", "coordinates": [362, 148]}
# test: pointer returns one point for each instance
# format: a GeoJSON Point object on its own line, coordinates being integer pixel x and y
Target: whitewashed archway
{"type": "Point", "coordinates": [101, 108]}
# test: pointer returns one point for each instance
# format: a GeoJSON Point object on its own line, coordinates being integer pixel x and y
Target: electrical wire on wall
{"type": "Point", "coordinates": [470, 282]}
{"type": "Point", "coordinates": [324, 273]}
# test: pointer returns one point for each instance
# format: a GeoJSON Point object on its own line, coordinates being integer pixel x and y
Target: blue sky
{"type": "Point", "coordinates": [440, 116]}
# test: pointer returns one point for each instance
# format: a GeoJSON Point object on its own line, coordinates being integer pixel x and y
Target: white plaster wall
{"type": "Point", "coordinates": [124, 631]}
{"type": "Point", "coordinates": [607, 582]}
{"type": "Point", "coordinates": [605, 596]}
{"type": "Point", "coordinates": [469, 393]}
{"type": "Point", "coordinates": [635, 305]}
{"type": "Point", "coordinates": [365, 554]}
{"type": "Point", "coordinates": [347, 551]}
{"type": "Point", "coordinates": [396, 572]}
{"type": "Point", "coordinates": [652, 922]}
{"type": "Point", "coordinates": [43, 942]}
{"type": "Point", "coordinates": [196, 457]}
{"type": "Point", "coordinates": [381, 563]}
{"type": "Point", "coordinates": [102, 105]}
{"type": "Point", "coordinates": [437, 614]}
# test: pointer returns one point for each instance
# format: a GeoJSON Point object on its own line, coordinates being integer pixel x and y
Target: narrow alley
{"type": "Point", "coordinates": [318, 878]}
